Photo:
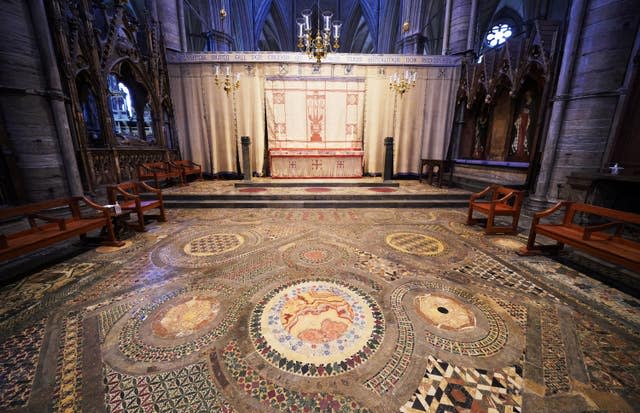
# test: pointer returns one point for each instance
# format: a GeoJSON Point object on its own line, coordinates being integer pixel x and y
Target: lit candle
{"type": "Point", "coordinates": [300, 23]}
{"type": "Point", "coordinates": [228, 70]}
{"type": "Point", "coordinates": [336, 28]}
{"type": "Point", "coordinates": [306, 15]}
{"type": "Point", "coordinates": [327, 15]}
{"type": "Point", "coordinates": [238, 77]}
{"type": "Point", "coordinates": [217, 70]}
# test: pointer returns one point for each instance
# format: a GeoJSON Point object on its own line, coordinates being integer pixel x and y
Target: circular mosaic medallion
{"type": "Point", "coordinates": [105, 249]}
{"type": "Point", "coordinates": [508, 244]}
{"type": "Point", "coordinates": [316, 328]}
{"type": "Point", "coordinates": [445, 312]}
{"type": "Point", "coordinates": [213, 244]}
{"type": "Point", "coordinates": [414, 243]}
{"type": "Point", "coordinates": [315, 253]}
{"type": "Point", "coordinates": [185, 317]}
{"type": "Point", "coordinates": [460, 322]}
{"type": "Point", "coordinates": [176, 324]}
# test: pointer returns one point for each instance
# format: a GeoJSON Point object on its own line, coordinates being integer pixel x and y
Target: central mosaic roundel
{"type": "Point", "coordinates": [317, 328]}
{"type": "Point", "coordinates": [414, 243]}
{"type": "Point", "coordinates": [213, 244]}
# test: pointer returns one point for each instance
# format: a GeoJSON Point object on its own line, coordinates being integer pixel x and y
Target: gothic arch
{"type": "Point", "coordinates": [389, 23]}
{"type": "Point", "coordinates": [358, 31]}
{"type": "Point", "coordinates": [272, 30]}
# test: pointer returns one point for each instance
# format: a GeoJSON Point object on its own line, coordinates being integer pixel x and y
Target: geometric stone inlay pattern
{"type": "Point", "coordinates": [213, 244]}
{"type": "Point", "coordinates": [317, 327]}
{"type": "Point", "coordinates": [387, 377]}
{"type": "Point", "coordinates": [131, 343]}
{"type": "Point", "coordinates": [554, 359]}
{"type": "Point", "coordinates": [280, 398]}
{"type": "Point", "coordinates": [108, 318]}
{"type": "Point", "coordinates": [18, 362]}
{"type": "Point", "coordinates": [447, 388]}
{"type": "Point", "coordinates": [68, 391]}
{"type": "Point", "coordinates": [416, 244]}
{"type": "Point", "coordinates": [188, 389]}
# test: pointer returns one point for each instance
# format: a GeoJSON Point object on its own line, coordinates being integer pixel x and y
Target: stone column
{"type": "Point", "coordinates": [388, 159]}
{"type": "Point", "coordinates": [460, 15]}
{"type": "Point", "coordinates": [471, 33]}
{"type": "Point", "coordinates": [447, 27]}
{"type": "Point", "coordinates": [246, 157]}
{"type": "Point", "coordinates": [182, 29]}
{"type": "Point", "coordinates": [56, 96]}
{"type": "Point", "coordinates": [170, 16]}
{"type": "Point", "coordinates": [571, 43]}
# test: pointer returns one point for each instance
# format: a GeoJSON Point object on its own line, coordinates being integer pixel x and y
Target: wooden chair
{"type": "Point", "coordinates": [188, 167]}
{"type": "Point", "coordinates": [159, 171]}
{"type": "Point", "coordinates": [435, 168]}
{"type": "Point", "coordinates": [502, 201]}
{"type": "Point", "coordinates": [127, 194]}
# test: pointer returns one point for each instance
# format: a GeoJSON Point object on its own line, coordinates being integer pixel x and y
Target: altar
{"type": "Point", "coordinates": [316, 163]}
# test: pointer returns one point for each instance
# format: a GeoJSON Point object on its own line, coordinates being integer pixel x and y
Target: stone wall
{"type": "Point", "coordinates": [169, 15]}
{"type": "Point", "coordinates": [25, 108]}
{"type": "Point", "coordinates": [606, 41]}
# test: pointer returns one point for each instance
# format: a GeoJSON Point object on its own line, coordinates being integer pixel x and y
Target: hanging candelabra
{"type": "Point", "coordinates": [319, 46]}
{"type": "Point", "coordinates": [230, 82]}
{"type": "Point", "coordinates": [401, 84]}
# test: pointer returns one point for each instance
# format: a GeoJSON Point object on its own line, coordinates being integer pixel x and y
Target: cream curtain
{"type": "Point", "coordinates": [210, 122]}
{"type": "Point", "coordinates": [378, 118]}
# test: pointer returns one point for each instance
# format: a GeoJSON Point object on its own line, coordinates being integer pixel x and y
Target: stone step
{"type": "Point", "coordinates": [308, 184]}
{"type": "Point", "coordinates": [312, 197]}
{"type": "Point", "coordinates": [317, 203]}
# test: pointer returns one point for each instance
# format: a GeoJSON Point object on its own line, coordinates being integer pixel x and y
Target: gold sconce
{"type": "Point", "coordinates": [401, 84]}
{"type": "Point", "coordinates": [230, 82]}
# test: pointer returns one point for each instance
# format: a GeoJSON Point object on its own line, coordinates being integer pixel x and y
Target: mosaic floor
{"type": "Point", "coordinates": [319, 310]}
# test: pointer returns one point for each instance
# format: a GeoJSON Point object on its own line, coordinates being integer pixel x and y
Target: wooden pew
{"type": "Point", "coordinates": [127, 195]}
{"type": "Point", "coordinates": [502, 201]}
{"type": "Point", "coordinates": [159, 171]}
{"type": "Point", "coordinates": [606, 240]}
{"type": "Point", "coordinates": [51, 222]}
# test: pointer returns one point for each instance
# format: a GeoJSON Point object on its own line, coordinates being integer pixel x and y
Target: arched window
{"type": "Point", "coordinates": [130, 109]}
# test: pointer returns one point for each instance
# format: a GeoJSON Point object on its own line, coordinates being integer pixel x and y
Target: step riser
{"type": "Point", "coordinates": [407, 197]}
{"type": "Point", "coordinates": [311, 204]}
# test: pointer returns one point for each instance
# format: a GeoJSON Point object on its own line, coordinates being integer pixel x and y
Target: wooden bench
{"type": "Point", "coordinates": [188, 168]}
{"type": "Point", "coordinates": [127, 195]}
{"type": "Point", "coordinates": [502, 201]}
{"type": "Point", "coordinates": [159, 171]}
{"type": "Point", "coordinates": [51, 222]}
{"type": "Point", "coordinates": [604, 240]}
